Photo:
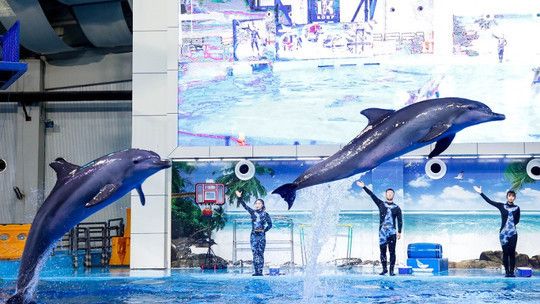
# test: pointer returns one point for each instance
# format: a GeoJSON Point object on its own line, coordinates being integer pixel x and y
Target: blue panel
{"type": "Point", "coordinates": [318, 13]}
{"type": "Point", "coordinates": [10, 44]}
{"type": "Point", "coordinates": [428, 265]}
{"type": "Point", "coordinates": [13, 70]}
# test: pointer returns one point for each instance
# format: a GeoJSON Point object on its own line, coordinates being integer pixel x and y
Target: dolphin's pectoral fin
{"type": "Point", "coordinates": [103, 194]}
{"type": "Point", "coordinates": [441, 145]}
{"type": "Point", "coordinates": [141, 195]}
{"type": "Point", "coordinates": [375, 115]}
{"type": "Point", "coordinates": [62, 167]}
{"type": "Point", "coordinates": [436, 131]}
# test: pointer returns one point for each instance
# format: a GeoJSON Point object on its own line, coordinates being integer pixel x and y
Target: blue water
{"type": "Point", "coordinates": [193, 286]}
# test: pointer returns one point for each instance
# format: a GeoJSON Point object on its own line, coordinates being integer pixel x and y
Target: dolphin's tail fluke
{"type": "Point", "coordinates": [19, 298]}
{"type": "Point", "coordinates": [287, 192]}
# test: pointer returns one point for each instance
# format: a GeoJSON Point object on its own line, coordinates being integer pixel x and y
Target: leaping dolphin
{"type": "Point", "coordinates": [390, 134]}
{"type": "Point", "coordinates": [78, 193]}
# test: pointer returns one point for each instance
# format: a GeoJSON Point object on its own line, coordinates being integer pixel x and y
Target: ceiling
{"type": "Point", "coordinates": [59, 29]}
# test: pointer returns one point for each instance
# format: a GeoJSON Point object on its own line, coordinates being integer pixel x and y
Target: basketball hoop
{"type": "Point", "coordinates": [208, 194]}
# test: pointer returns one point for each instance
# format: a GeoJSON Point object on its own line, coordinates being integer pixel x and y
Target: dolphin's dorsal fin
{"type": "Point", "coordinates": [376, 115]}
{"type": "Point", "coordinates": [62, 167]}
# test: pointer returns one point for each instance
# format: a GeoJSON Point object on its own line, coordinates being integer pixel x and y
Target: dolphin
{"type": "Point", "coordinates": [391, 133]}
{"type": "Point", "coordinates": [78, 193]}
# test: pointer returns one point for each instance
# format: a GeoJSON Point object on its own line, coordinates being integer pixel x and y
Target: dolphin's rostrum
{"type": "Point", "coordinates": [390, 134]}
{"type": "Point", "coordinates": [78, 193]}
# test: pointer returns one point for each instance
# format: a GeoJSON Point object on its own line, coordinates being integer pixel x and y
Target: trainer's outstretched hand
{"type": "Point", "coordinates": [477, 189]}
{"type": "Point", "coordinates": [238, 193]}
{"type": "Point", "coordinates": [360, 184]}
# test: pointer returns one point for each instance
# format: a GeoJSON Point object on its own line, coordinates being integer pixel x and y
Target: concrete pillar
{"type": "Point", "coordinates": [155, 61]}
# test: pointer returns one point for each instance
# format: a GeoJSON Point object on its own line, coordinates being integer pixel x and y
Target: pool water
{"type": "Point", "coordinates": [334, 286]}
{"type": "Point", "coordinates": [322, 105]}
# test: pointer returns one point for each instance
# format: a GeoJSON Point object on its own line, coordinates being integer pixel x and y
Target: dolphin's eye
{"type": "Point", "coordinates": [470, 107]}
{"type": "Point", "coordinates": [136, 161]}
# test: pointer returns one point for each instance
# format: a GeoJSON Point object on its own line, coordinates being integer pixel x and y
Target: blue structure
{"type": "Point", "coordinates": [525, 272]}
{"type": "Point", "coordinates": [369, 9]}
{"type": "Point", "coordinates": [10, 67]}
{"type": "Point", "coordinates": [426, 257]}
{"type": "Point", "coordinates": [318, 13]}
{"type": "Point", "coordinates": [405, 270]}
{"type": "Point", "coordinates": [424, 250]}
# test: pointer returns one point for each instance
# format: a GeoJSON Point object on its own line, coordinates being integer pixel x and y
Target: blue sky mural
{"type": "Point", "coordinates": [414, 189]}
{"type": "Point", "coordinates": [455, 192]}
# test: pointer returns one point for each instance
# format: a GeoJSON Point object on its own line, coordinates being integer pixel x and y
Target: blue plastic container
{"type": "Point", "coordinates": [424, 251]}
{"type": "Point", "coordinates": [273, 271]}
{"type": "Point", "coordinates": [524, 272]}
{"type": "Point", "coordinates": [405, 270]}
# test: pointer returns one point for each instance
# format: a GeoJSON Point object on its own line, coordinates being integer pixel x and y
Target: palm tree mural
{"type": "Point", "coordinates": [187, 219]}
{"type": "Point", "coordinates": [178, 182]}
{"type": "Point", "coordinates": [250, 188]}
{"type": "Point", "coordinates": [516, 174]}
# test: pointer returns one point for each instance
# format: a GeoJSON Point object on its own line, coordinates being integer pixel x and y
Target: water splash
{"type": "Point", "coordinates": [325, 200]}
{"type": "Point", "coordinates": [34, 199]}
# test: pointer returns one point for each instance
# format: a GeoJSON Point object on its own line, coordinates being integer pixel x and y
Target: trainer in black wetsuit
{"type": "Point", "coordinates": [510, 214]}
{"type": "Point", "coordinates": [260, 224]}
{"type": "Point", "coordinates": [388, 214]}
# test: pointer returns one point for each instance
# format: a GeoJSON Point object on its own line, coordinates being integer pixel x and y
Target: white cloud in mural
{"type": "Point", "coordinates": [530, 193]}
{"type": "Point", "coordinates": [499, 196]}
{"type": "Point", "coordinates": [471, 181]}
{"type": "Point", "coordinates": [458, 193]}
{"type": "Point", "coordinates": [399, 192]}
{"type": "Point", "coordinates": [421, 181]}
{"type": "Point", "coordinates": [451, 198]}
{"type": "Point", "coordinates": [529, 198]}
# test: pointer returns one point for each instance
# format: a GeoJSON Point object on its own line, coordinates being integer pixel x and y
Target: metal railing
{"type": "Point", "coordinates": [286, 245]}
{"type": "Point", "coordinates": [91, 238]}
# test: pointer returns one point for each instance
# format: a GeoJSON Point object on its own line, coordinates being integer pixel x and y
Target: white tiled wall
{"type": "Point", "coordinates": [155, 70]}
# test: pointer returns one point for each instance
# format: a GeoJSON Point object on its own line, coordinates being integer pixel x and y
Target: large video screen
{"type": "Point", "coordinates": [300, 72]}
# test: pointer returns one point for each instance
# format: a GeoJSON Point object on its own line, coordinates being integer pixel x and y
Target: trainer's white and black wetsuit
{"type": "Point", "coordinates": [260, 224]}
{"type": "Point", "coordinates": [508, 236]}
{"type": "Point", "coordinates": [389, 214]}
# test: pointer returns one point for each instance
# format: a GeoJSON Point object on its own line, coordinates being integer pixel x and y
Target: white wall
{"type": "Point", "coordinates": [8, 122]}
{"type": "Point", "coordinates": [85, 131]}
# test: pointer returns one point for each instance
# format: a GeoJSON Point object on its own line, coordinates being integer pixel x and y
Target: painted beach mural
{"type": "Point", "coordinates": [445, 211]}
